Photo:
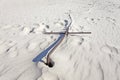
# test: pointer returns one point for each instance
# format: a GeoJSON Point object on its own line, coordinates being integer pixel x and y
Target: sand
{"type": "Point", "coordinates": [93, 56]}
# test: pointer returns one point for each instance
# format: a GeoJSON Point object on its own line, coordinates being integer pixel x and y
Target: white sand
{"type": "Point", "coordinates": [82, 57]}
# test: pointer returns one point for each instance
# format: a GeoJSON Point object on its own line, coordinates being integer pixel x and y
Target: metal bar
{"type": "Point", "coordinates": [68, 32]}
{"type": "Point", "coordinates": [54, 32]}
{"type": "Point", "coordinates": [46, 51]}
{"type": "Point", "coordinates": [79, 32]}
{"type": "Point", "coordinates": [53, 49]}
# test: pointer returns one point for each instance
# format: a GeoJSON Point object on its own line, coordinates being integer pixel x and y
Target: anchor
{"type": "Point", "coordinates": [48, 51]}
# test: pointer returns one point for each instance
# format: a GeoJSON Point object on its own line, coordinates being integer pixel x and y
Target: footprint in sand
{"type": "Point", "coordinates": [10, 48]}
{"type": "Point", "coordinates": [77, 41]}
{"type": "Point", "coordinates": [25, 31]}
{"type": "Point", "coordinates": [32, 46]}
{"type": "Point", "coordinates": [109, 49]}
{"type": "Point", "coordinates": [41, 28]}
{"type": "Point", "coordinates": [13, 52]}
{"type": "Point", "coordinates": [3, 48]}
